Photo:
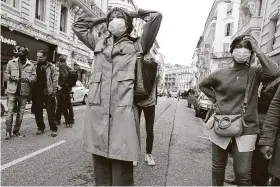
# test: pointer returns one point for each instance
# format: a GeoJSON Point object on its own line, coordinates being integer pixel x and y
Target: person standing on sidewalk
{"type": "Point", "coordinates": [111, 128]}
{"type": "Point", "coordinates": [63, 93]}
{"type": "Point", "coordinates": [20, 75]}
{"type": "Point", "coordinates": [270, 138]}
{"type": "Point", "coordinates": [226, 87]}
{"type": "Point", "coordinates": [45, 86]}
{"type": "Point", "coordinates": [148, 108]}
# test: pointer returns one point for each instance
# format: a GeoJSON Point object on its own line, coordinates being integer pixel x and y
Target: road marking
{"type": "Point", "coordinates": [5, 166]}
{"type": "Point", "coordinates": [203, 137]}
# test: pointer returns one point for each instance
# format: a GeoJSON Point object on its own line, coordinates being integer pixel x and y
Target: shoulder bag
{"type": "Point", "coordinates": [232, 125]}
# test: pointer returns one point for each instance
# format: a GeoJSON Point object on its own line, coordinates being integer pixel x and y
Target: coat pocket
{"type": "Point", "coordinates": [125, 88]}
{"type": "Point", "coordinates": [94, 95]}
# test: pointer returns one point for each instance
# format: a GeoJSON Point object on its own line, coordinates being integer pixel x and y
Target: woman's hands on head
{"type": "Point", "coordinates": [253, 43]}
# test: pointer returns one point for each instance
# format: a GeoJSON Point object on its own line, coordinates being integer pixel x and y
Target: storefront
{"type": "Point", "coordinates": [10, 39]}
{"type": "Point", "coordinates": [84, 72]}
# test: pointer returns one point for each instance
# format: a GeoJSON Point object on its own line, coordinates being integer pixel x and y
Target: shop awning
{"type": "Point", "coordinates": [84, 66]}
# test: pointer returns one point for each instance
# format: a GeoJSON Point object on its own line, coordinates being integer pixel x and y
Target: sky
{"type": "Point", "coordinates": [182, 25]}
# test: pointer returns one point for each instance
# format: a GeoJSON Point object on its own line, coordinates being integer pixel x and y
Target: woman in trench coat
{"type": "Point", "coordinates": [111, 127]}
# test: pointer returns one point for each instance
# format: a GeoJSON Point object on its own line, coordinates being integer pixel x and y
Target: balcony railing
{"type": "Point", "coordinates": [254, 24]}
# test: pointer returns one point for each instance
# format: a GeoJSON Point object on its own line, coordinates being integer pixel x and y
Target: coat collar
{"type": "Point", "coordinates": [17, 60]}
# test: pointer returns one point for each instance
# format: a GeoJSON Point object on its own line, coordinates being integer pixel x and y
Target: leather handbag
{"type": "Point", "coordinates": [232, 125]}
{"type": "Point", "coordinates": [146, 72]}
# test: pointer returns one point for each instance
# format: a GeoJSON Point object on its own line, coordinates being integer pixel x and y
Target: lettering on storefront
{"type": "Point", "coordinates": [8, 41]}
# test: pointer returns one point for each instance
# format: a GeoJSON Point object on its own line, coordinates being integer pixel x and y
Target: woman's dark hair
{"type": "Point", "coordinates": [237, 40]}
{"type": "Point", "coordinates": [128, 19]}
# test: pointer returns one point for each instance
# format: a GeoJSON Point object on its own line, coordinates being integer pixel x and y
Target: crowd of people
{"type": "Point", "coordinates": [48, 85]}
{"type": "Point", "coordinates": [112, 117]}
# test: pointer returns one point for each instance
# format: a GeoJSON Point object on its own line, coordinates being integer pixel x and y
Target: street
{"type": "Point", "coordinates": [181, 151]}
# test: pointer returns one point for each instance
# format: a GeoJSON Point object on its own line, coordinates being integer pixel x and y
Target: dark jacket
{"type": "Point", "coordinates": [63, 76]}
{"type": "Point", "coordinates": [270, 135]}
{"type": "Point", "coordinates": [51, 78]}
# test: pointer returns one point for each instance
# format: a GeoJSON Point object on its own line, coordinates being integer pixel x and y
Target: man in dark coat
{"type": "Point", "coordinates": [270, 138]}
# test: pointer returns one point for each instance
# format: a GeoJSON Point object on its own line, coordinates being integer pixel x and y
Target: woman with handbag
{"type": "Point", "coordinates": [234, 90]}
{"type": "Point", "coordinates": [111, 126]}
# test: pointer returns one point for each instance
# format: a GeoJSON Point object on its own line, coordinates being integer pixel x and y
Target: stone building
{"type": "Point", "coordinates": [46, 25]}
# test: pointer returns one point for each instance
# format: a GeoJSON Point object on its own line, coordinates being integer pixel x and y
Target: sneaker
{"type": "Point", "coordinates": [39, 132]}
{"type": "Point", "coordinates": [150, 160]}
{"type": "Point", "coordinates": [53, 134]}
{"type": "Point", "coordinates": [17, 134]}
{"type": "Point", "coordinates": [135, 163]}
{"type": "Point", "coordinates": [8, 136]}
{"type": "Point", "coordinates": [32, 116]}
{"type": "Point", "coordinates": [230, 180]}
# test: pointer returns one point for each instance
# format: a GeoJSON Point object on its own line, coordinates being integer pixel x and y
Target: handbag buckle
{"type": "Point", "coordinates": [224, 119]}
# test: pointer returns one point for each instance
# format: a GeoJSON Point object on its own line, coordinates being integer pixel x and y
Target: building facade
{"type": "Point", "coordinates": [177, 77]}
{"type": "Point", "coordinates": [212, 50]}
{"type": "Point", "coordinates": [270, 29]}
{"type": "Point", "coordinates": [46, 25]}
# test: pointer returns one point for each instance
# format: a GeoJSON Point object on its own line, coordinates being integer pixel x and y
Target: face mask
{"type": "Point", "coordinates": [117, 27]}
{"type": "Point", "coordinates": [241, 55]}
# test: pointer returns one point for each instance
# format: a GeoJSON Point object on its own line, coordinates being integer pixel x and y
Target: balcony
{"type": "Point", "coordinates": [90, 7]}
{"type": "Point", "coordinates": [220, 55]}
{"type": "Point", "coordinates": [252, 25]}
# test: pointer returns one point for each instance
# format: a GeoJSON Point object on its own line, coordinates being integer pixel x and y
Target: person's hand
{"type": "Point", "coordinates": [253, 43]}
{"type": "Point", "coordinates": [24, 80]}
{"type": "Point", "coordinates": [133, 14]}
{"type": "Point", "coordinates": [58, 88]}
{"type": "Point", "coordinates": [267, 151]}
{"type": "Point", "coordinates": [14, 78]}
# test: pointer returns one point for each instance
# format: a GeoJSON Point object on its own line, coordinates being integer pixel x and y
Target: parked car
{"type": "Point", "coordinates": [202, 106]}
{"type": "Point", "coordinates": [160, 92]}
{"type": "Point", "coordinates": [173, 93]}
{"type": "Point", "coordinates": [79, 93]}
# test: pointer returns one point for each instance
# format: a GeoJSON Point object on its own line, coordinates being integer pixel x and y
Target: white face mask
{"type": "Point", "coordinates": [117, 27]}
{"type": "Point", "coordinates": [241, 55]}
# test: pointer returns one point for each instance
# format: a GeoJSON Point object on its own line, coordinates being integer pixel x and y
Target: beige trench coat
{"type": "Point", "coordinates": [111, 127]}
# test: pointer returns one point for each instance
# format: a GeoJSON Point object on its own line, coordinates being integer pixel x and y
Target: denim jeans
{"type": "Point", "coordinates": [13, 101]}
{"type": "Point", "coordinates": [149, 113]}
{"type": "Point", "coordinates": [242, 163]}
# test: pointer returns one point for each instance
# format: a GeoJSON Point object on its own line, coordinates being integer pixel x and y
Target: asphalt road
{"type": "Point", "coordinates": [181, 152]}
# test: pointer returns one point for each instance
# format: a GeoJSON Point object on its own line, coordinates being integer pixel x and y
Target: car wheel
{"type": "Point", "coordinates": [196, 113]}
{"type": "Point", "coordinates": [2, 109]}
{"type": "Point", "coordinates": [85, 100]}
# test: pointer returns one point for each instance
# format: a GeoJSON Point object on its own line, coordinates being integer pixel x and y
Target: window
{"type": "Point", "coordinates": [229, 29]}
{"type": "Point", "coordinates": [226, 47]}
{"type": "Point", "coordinates": [40, 11]}
{"type": "Point", "coordinates": [13, 3]}
{"type": "Point", "coordinates": [63, 19]}
{"type": "Point", "coordinates": [274, 29]}
{"type": "Point", "coordinates": [229, 8]}
{"type": "Point", "coordinates": [260, 7]}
